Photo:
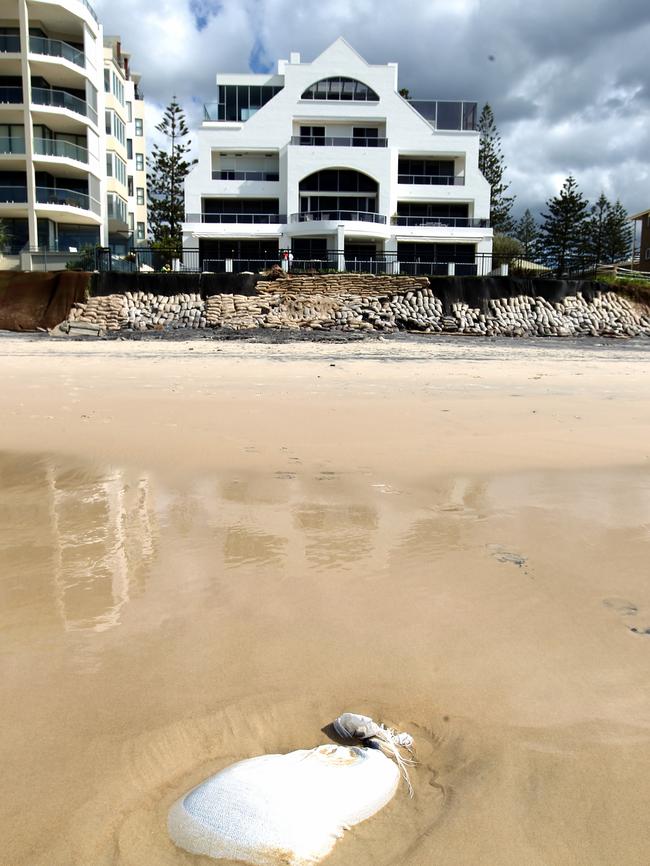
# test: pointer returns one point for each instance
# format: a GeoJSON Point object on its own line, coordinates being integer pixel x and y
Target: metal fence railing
{"type": "Point", "coordinates": [192, 260]}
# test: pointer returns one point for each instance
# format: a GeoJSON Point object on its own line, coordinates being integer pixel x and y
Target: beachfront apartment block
{"type": "Point", "coordinates": [69, 106]}
{"type": "Point", "coordinates": [325, 160]}
{"type": "Point", "coordinates": [126, 175]}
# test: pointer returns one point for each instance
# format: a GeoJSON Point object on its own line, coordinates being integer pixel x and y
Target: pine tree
{"type": "Point", "coordinates": [618, 232]}
{"type": "Point", "coordinates": [595, 229]}
{"type": "Point", "coordinates": [168, 168]}
{"type": "Point", "coordinates": [491, 163]}
{"type": "Point", "coordinates": [527, 233]}
{"type": "Point", "coordinates": [563, 231]}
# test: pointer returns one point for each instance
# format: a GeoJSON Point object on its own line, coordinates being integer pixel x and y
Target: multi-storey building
{"type": "Point", "coordinates": [55, 195]}
{"type": "Point", "coordinates": [328, 161]}
{"type": "Point", "coordinates": [126, 180]}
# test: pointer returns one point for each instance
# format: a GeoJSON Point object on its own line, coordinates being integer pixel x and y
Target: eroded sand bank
{"type": "Point", "coordinates": [209, 554]}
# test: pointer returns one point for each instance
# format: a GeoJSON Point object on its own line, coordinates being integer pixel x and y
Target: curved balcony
{"type": "Point", "coordinates": [337, 141]}
{"type": "Point", "coordinates": [67, 198]}
{"type": "Point", "coordinates": [440, 222]}
{"type": "Point", "coordinates": [60, 148]}
{"type": "Point", "coordinates": [338, 215]}
{"type": "Point", "coordinates": [250, 218]}
{"type": "Point", "coordinates": [431, 179]}
{"type": "Point", "coordinates": [57, 48]}
{"type": "Point", "coordinates": [63, 99]}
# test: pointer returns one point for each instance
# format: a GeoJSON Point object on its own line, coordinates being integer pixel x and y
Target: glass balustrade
{"type": "Point", "coordinates": [60, 147]}
{"type": "Point", "coordinates": [57, 48]}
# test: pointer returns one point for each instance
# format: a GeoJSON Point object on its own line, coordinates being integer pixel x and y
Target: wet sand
{"type": "Point", "coordinates": [210, 552]}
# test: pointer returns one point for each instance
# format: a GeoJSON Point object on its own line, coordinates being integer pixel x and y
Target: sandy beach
{"type": "Point", "coordinates": [212, 549]}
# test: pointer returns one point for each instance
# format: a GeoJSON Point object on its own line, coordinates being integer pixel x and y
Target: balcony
{"type": "Point", "coordinates": [246, 175]}
{"type": "Point", "coordinates": [11, 95]}
{"type": "Point", "coordinates": [249, 218]}
{"type": "Point", "coordinates": [12, 145]}
{"type": "Point", "coordinates": [57, 48]}
{"type": "Point", "coordinates": [338, 215]}
{"type": "Point", "coordinates": [91, 10]}
{"type": "Point", "coordinates": [451, 116]}
{"type": "Point", "coordinates": [66, 198]}
{"type": "Point", "coordinates": [62, 99]}
{"type": "Point", "coordinates": [60, 148]}
{"type": "Point", "coordinates": [13, 194]}
{"type": "Point", "coordinates": [440, 222]}
{"type": "Point", "coordinates": [337, 141]}
{"type": "Point", "coordinates": [431, 179]}
{"type": "Point", "coordinates": [10, 44]}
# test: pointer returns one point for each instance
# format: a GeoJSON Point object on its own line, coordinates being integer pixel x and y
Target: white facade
{"type": "Point", "coordinates": [126, 178]}
{"type": "Point", "coordinates": [54, 185]}
{"type": "Point", "coordinates": [396, 185]}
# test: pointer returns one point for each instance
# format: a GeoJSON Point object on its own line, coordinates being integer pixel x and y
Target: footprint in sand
{"type": "Point", "coordinates": [502, 555]}
{"type": "Point", "coordinates": [623, 607]}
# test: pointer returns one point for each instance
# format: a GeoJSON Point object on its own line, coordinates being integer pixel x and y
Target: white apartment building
{"type": "Point", "coordinates": [55, 193]}
{"type": "Point", "coordinates": [126, 176]}
{"type": "Point", "coordinates": [327, 160]}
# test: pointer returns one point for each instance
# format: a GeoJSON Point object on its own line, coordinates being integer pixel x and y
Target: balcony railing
{"type": "Point", "coordinates": [349, 215]}
{"type": "Point", "coordinates": [57, 48]}
{"type": "Point", "coordinates": [254, 218]}
{"type": "Point", "coordinates": [67, 198]}
{"type": "Point", "coordinates": [13, 194]}
{"type": "Point", "coordinates": [433, 179]}
{"type": "Point", "coordinates": [12, 145]}
{"type": "Point", "coordinates": [336, 141]}
{"type": "Point", "coordinates": [62, 99]}
{"type": "Point", "coordinates": [11, 95]}
{"type": "Point", "coordinates": [90, 9]}
{"type": "Point", "coordinates": [10, 44]}
{"type": "Point", "coordinates": [60, 147]}
{"type": "Point", "coordinates": [225, 174]}
{"type": "Point", "coordinates": [440, 222]}
{"type": "Point", "coordinates": [461, 116]}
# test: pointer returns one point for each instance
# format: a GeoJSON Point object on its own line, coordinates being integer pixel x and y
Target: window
{"type": "Point", "coordinates": [312, 135]}
{"type": "Point", "coordinates": [129, 111]}
{"type": "Point", "coordinates": [115, 167]}
{"type": "Point", "coordinates": [118, 88]}
{"type": "Point", "coordinates": [139, 195]}
{"type": "Point", "coordinates": [131, 222]}
{"type": "Point", "coordinates": [116, 207]}
{"type": "Point", "coordinates": [240, 101]}
{"type": "Point", "coordinates": [139, 162]}
{"type": "Point", "coordinates": [115, 126]}
{"type": "Point", "coordinates": [138, 126]}
{"type": "Point", "coordinates": [341, 89]}
{"type": "Point", "coordinates": [107, 80]}
{"type": "Point", "coordinates": [130, 185]}
{"type": "Point", "coordinates": [140, 233]}
{"type": "Point", "coordinates": [129, 148]}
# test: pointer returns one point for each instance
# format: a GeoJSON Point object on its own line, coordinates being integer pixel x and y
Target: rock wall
{"type": "Point", "coordinates": [349, 302]}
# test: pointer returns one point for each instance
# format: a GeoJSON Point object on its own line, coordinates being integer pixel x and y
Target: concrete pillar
{"type": "Point", "coordinates": [503, 269]}
{"type": "Point", "coordinates": [340, 246]}
{"type": "Point", "coordinates": [451, 269]}
{"type": "Point", "coordinates": [228, 263]}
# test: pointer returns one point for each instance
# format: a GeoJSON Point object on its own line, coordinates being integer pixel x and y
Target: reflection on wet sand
{"type": "Point", "coordinates": [232, 616]}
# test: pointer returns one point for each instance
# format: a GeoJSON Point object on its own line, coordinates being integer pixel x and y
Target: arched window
{"type": "Point", "coordinates": [340, 88]}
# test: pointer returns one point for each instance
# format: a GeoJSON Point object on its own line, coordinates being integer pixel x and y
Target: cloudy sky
{"type": "Point", "coordinates": [569, 80]}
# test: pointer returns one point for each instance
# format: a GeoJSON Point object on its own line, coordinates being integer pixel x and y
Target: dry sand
{"type": "Point", "coordinates": [209, 551]}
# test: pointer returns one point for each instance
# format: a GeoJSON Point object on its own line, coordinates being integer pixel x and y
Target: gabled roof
{"type": "Point", "coordinates": [338, 48]}
{"type": "Point", "coordinates": [640, 215]}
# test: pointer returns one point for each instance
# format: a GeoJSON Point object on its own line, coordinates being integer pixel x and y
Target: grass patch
{"type": "Point", "coordinates": [634, 290]}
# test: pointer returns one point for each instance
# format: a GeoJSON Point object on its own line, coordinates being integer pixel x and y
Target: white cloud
{"type": "Point", "coordinates": [568, 81]}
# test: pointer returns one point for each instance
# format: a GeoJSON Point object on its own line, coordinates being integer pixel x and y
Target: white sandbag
{"type": "Point", "coordinates": [283, 808]}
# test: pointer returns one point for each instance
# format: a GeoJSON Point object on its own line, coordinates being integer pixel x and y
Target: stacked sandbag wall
{"type": "Point", "coordinates": [367, 303]}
